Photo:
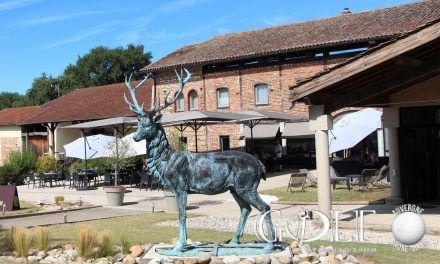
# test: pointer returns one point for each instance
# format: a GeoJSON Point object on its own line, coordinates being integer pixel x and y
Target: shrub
{"type": "Point", "coordinates": [41, 238]}
{"type": "Point", "coordinates": [20, 163]}
{"type": "Point", "coordinates": [85, 241]}
{"type": "Point", "coordinates": [105, 244]}
{"type": "Point", "coordinates": [176, 141]}
{"type": "Point", "coordinates": [77, 165]}
{"type": "Point", "coordinates": [58, 199]}
{"type": "Point", "coordinates": [21, 241]}
{"type": "Point", "coordinates": [47, 163]}
{"type": "Point", "coordinates": [6, 174]}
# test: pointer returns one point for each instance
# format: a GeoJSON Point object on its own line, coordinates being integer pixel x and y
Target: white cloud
{"type": "Point", "coordinates": [178, 5]}
{"type": "Point", "coordinates": [58, 18]}
{"type": "Point", "coordinates": [92, 32]}
{"type": "Point", "coordinates": [11, 4]}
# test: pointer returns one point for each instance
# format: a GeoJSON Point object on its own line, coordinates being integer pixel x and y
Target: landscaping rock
{"type": "Point", "coordinates": [262, 259]}
{"type": "Point", "coordinates": [190, 261]}
{"type": "Point", "coordinates": [231, 260]}
{"type": "Point", "coordinates": [136, 251]}
{"type": "Point", "coordinates": [285, 260]}
{"type": "Point", "coordinates": [118, 257]}
{"type": "Point", "coordinates": [216, 261]}
{"type": "Point", "coordinates": [245, 261]}
{"type": "Point", "coordinates": [129, 259]}
{"type": "Point", "coordinates": [204, 260]}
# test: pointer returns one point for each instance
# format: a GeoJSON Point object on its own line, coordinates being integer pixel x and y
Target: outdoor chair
{"type": "Point", "coordinates": [133, 177]}
{"type": "Point", "coordinates": [31, 179]}
{"type": "Point", "coordinates": [108, 179]}
{"type": "Point", "coordinates": [143, 179]}
{"type": "Point", "coordinates": [297, 179]}
{"type": "Point", "coordinates": [310, 177]}
{"type": "Point", "coordinates": [379, 180]}
{"type": "Point", "coordinates": [365, 181]}
{"type": "Point", "coordinates": [335, 179]}
{"type": "Point", "coordinates": [59, 178]}
{"type": "Point", "coordinates": [68, 179]}
{"type": "Point", "coordinates": [43, 180]}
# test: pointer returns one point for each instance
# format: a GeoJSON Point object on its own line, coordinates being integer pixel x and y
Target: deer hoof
{"type": "Point", "coordinates": [233, 242]}
{"type": "Point", "coordinates": [269, 247]}
{"type": "Point", "coordinates": [178, 248]}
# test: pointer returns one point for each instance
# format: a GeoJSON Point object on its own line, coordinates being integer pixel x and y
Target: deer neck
{"type": "Point", "coordinates": [158, 153]}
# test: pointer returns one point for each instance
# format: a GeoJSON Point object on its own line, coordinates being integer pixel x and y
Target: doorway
{"type": "Point", "coordinates": [420, 154]}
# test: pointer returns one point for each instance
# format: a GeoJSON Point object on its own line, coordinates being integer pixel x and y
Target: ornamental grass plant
{"type": "Point", "coordinates": [85, 241]}
{"type": "Point", "coordinates": [21, 240]}
{"type": "Point", "coordinates": [105, 244]}
{"type": "Point", "coordinates": [41, 238]}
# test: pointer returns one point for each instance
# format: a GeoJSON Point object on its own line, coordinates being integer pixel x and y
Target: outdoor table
{"type": "Point", "coordinates": [84, 178]}
{"type": "Point", "coordinates": [51, 176]}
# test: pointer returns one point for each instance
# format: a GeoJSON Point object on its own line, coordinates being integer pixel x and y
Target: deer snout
{"type": "Point", "coordinates": [137, 137]}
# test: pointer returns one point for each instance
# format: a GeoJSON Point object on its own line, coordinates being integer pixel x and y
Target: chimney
{"type": "Point", "coordinates": [346, 11]}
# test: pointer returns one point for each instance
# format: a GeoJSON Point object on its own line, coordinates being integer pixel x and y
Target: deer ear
{"type": "Point", "coordinates": [157, 118]}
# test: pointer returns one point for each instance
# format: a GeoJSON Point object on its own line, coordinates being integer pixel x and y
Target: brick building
{"type": "Point", "coordinates": [253, 70]}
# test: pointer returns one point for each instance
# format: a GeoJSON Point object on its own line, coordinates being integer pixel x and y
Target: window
{"type": "Point", "coordinates": [193, 100]}
{"type": "Point", "coordinates": [180, 103]}
{"type": "Point", "coordinates": [224, 143]}
{"type": "Point", "coordinates": [261, 94]}
{"type": "Point", "coordinates": [222, 97]}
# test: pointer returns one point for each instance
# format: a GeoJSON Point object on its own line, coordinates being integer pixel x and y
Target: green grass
{"type": "Point", "coordinates": [338, 195]}
{"type": "Point", "coordinates": [143, 228]}
{"type": "Point", "coordinates": [139, 229]}
{"type": "Point", "coordinates": [25, 208]}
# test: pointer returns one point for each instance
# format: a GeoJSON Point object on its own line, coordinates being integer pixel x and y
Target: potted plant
{"type": "Point", "coordinates": [120, 155]}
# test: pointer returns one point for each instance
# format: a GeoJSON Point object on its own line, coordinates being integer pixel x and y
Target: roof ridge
{"type": "Point", "coordinates": [378, 24]}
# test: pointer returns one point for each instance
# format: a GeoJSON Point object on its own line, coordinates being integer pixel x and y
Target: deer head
{"type": "Point", "coordinates": [149, 124]}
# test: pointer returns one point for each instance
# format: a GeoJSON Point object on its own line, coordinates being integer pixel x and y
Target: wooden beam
{"type": "Point", "coordinates": [367, 62]}
{"type": "Point", "coordinates": [398, 78]}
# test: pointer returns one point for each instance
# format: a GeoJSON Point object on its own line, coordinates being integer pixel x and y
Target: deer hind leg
{"type": "Point", "coordinates": [245, 209]}
{"type": "Point", "coordinates": [181, 198]}
{"type": "Point", "coordinates": [254, 199]}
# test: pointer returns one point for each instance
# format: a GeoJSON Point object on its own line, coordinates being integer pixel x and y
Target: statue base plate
{"type": "Point", "coordinates": [195, 251]}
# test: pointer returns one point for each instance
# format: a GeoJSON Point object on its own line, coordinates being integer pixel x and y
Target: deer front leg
{"type": "Point", "coordinates": [181, 198]}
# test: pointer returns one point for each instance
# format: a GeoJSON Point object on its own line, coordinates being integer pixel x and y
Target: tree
{"type": "Point", "coordinates": [44, 89]}
{"type": "Point", "coordinates": [7, 99]}
{"type": "Point", "coordinates": [102, 66]}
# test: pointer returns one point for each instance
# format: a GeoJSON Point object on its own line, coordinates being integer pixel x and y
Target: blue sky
{"type": "Point", "coordinates": [39, 36]}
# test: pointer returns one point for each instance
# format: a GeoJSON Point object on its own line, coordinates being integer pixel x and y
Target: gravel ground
{"type": "Point", "coordinates": [230, 224]}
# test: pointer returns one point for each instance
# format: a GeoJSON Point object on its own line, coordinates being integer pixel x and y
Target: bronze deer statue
{"type": "Point", "coordinates": [184, 172]}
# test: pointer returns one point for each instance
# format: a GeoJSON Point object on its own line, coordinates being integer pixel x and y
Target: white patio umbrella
{"type": "Point", "coordinates": [89, 147]}
{"type": "Point", "coordinates": [352, 128]}
{"type": "Point", "coordinates": [138, 148]}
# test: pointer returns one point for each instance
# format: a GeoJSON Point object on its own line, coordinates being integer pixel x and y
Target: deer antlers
{"type": "Point", "coordinates": [182, 83]}
{"type": "Point", "coordinates": [136, 108]}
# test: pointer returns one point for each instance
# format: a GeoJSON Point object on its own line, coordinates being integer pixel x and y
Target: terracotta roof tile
{"type": "Point", "coordinates": [90, 104]}
{"type": "Point", "coordinates": [14, 116]}
{"type": "Point", "coordinates": [381, 24]}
